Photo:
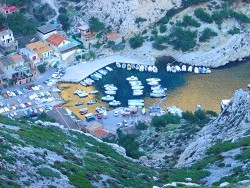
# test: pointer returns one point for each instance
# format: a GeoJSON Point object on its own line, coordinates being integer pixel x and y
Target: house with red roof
{"type": "Point", "coordinates": [7, 10]}
{"type": "Point", "coordinates": [62, 46]}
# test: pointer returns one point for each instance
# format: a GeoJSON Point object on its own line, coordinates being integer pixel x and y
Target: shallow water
{"type": "Point", "coordinates": [185, 90]}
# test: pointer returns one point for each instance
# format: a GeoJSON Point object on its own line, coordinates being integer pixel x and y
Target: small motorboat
{"type": "Point", "coordinates": [107, 98]}
{"type": "Point", "coordinates": [190, 69]}
{"type": "Point", "coordinates": [141, 69]}
{"type": "Point", "coordinates": [184, 68]}
{"type": "Point", "coordinates": [135, 83]}
{"type": "Point", "coordinates": [124, 65]}
{"type": "Point", "coordinates": [168, 68]}
{"type": "Point", "coordinates": [137, 92]}
{"type": "Point", "coordinates": [109, 69]}
{"type": "Point", "coordinates": [93, 92]}
{"type": "Point", "coordinates": [153, 83]}
{"type": "Point", "coordinates": [208, 71]}
{"type": "Point", "coordinates": [173, 69]}
{"type": "Point", "coordinates": [94, 77]}
{"type": "Point", "coordinates": [157, 87]}
{"type": "Point", "coordinates": [98, 75]}
{"type": "Point", "coordinates": [155, 69]}
{"type": "Point", "coordinates": [178, 68]}
{"type": "Point", "coordinates": [146, 68]}
{"type": "Point", "coordinates": [103, 71]}
{"type": "Point", "coordinates": [133, 66]}
{"type": "Point", "coordinates": [137, 67]}
{"type": "Point", "coordinates": [118, 64]}
{"type": "Point", "coordinates": [114, 103]}
{"type": "Point", "coordinates": [157, 95]}
{"type": "Point", "coordinates": [91, 102]}
{"type": "Point", "coordinates": [196, 70]}
{"type": "Point", "coordinates": [129, 67]}
{"type": "Point", "coordinates": [111, 88]}
{"type": "Point", "coordinates": [150, 68]}
{"type": "Point", "coordinates": [132, 78]}
{"type": "Point", "coordinates": [83, 83]}
{"type": "Point", "coordinates": [153, 79]}
{"type": "Point", "coordinates": [137, 87]}
{"type": "Point", "coordinates": [110, 92]}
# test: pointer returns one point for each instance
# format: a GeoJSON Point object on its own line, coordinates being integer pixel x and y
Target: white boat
{"type": "Point", "coordinates": [208, 71]}
{"type": "Point", "coordinates": [137, 87]}
{"type": "Point", "coordinates": [97, 74]}
{"type": "Point", "coordinates": [173, 69]}
{"type": "Point", "coordinates": [118, 64]}
{"type": "Point", "coordinates": [150, 68]}
{"type": "Point", "coordinates": [141, 69]}
{"type": "Point", "coordinates": [155, 69]}
{"type": "Point", "coordinates": [196, 70]}
{"type": "Point", "coordinates": [123, 65]}
{"type": "Point", "coordinates": [109, 69]}
{"type": "Point", "coordinates": [111, 88]}
{"type": "Point", "coordinates": [132, 78]}
{"type": "Point", "coordinates": [114, 103]}
{"type": "Point", "coordinates": [153, 79]}
{"type": "Point", "coordinates": [103, 72]}
{"type": "Point", "coordinates": [94, 77]}
{"type": "Point", "coordinates": [107, 85]}
{"type": "Point", "coordinates": [83, 94]}
{"type": "Point", "coordinates": [91, 102]}
{"type": "Point", "coordinates": [101, 109]}
{"type": "Point", "coordinates": [178, 68]}
{"type": "Point", "coordinates": [107, 98]}
{"type": "Point", "coordinates": [184, 68]}
{"type": "Point", "coordinates": [137, 67]}
{"type": "Point", "coordinates": [137, 92]}
{"type": "Point", "coordinates": [157, 95]}
{"type": "Point", "coordinates": [110, 92]}
{"type": "Point", "coordinates": [158, 87]}
{"type": "Point", "coordinates": [129, 67]}
{"type": "Point", "coordinates": [135, 100]}
{"type": "Point", "coordinates": [83, 83]}
{"type": "Point", "coordinates": [93, 92]}
{"type": "Point", "coordinates": [146, 68]}
{"type": "Point", "coordinates": [190, 69]}
{"type": "Point", "coordinates": [133, 66]}
{"type": "Point", "coordinates": [153, 83]}
{"type": "Point", "coordinates": [168, 68]}
{"type": "Point", "coordinates": [135, 83]}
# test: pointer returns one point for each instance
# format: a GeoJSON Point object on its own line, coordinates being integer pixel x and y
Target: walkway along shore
{"type": "Point", "coordinates": [81, 71]}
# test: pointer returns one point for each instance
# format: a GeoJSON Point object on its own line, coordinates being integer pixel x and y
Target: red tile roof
{"type": "Point", "coordinates": [56, 39]}
{"type": "Point", "coordinates": [17, 58]}
{"type": "Point", "coordinates": [10, 8]}
{"type": "Point", "coordinates": [100, 132]}
{"type": "Point", "coordinates": [113, 36]}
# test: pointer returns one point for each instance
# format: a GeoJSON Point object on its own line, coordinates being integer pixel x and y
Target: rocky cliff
{"type": "Point", "coordinates": [231, 125]}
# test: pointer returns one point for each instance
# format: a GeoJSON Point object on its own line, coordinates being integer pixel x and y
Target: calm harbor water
{"type": "Point", "coordinates": [185, 90]}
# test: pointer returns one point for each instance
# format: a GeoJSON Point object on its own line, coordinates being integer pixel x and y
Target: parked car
{"type": "Point", "coordinates": [89, 117]}
{"type": "Point", "coordinates": [78, 103]}
{"type": "Point", "coordinates": [99, 116]}
{"type": "Point", "coordinates": [116, 113]}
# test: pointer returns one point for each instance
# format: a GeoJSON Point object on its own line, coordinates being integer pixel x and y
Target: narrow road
{"type": "Point", "coordinates": [52, 5]}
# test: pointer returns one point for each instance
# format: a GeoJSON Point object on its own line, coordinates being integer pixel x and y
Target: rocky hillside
{"type": "Point", "coordinates": [42, 155]}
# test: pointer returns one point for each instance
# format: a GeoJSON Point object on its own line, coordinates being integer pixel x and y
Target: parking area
{"type": "Point", "coordinates": [32, 98]}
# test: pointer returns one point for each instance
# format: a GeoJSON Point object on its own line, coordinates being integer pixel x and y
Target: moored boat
{"type": "Point", "coordinates": [91, 102]}
{"type": "Point", "coordinates": [132, 78]}
{"type": "Point", "coordinates": [109, 69]}
{"type": "Point", "coordinates": [168, 68]}
{"type": "Point", "coordinates": [153, 83]}
{"type": "Point", "coordinates": [118, 64]}
{"type": "Point", "coordinates": [137, 87]}
{"type": "Point", "coordinates": [124, 65]}
{"type": "Point", "coordinates": [103, 72]}
{"type": "Point", "coordinates": [110, 92]}
{"type": "Point", "coordinates": [137, 67]}
{"type": "Point", "coordinates": [114, 103]}
{"type": "Point", "coordinates": [150, 68]}
{"type": "Point", "coordinates": [94, 77]}
{"type": "Point", "coordinates": [153, 79]}
{"type": "Point", "coordinates": [137, 92]}
{"type": "Point", "coordinates": [184, 68]}
{"type": "Point", "coordinates": [133, 66]}
{"type": "Point", "coordinates": [129, 67]}
{"type": "Point", "coordinates": [155, 69]}
{"type": "Point", "coordinates": [196, 70]}
{"type": "Point", "coordinates": [178, 68]}
{"type": "Point", "coordinates": [173, 69]}
{"type": "Point", "coordinates": [93, 92]}
{"type": "Point", "coordinates": [141, 69]}
{"type": "Point", "coordinates": [107, 98]}
{"type": "Point", "coordinates": [190, 69]}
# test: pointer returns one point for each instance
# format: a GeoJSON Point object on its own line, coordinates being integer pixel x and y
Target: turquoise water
{"type": "Point", "coordinates": [119, 75]}
{"type": "Point", "coordinates": [185, 90]}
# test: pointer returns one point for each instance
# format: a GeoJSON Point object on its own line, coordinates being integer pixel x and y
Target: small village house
{"type": "Point", "coordinates": [62, 46]}
{"type": "Point", "coordinates": [43, 50]}
{"type": "Point", "coordinates": [31, 55]}
{"type": "Point", "coordinates": [45, 31]}
{"type": "Point", "coordinates": [7, 41]}
{"type": "Point", "coordinates": [7, 10]}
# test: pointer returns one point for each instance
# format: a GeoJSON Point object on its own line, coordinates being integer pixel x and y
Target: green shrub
{"type": "Point", "coordinates": [96, 25]}
{"type": "Point", "coordinates": [182, 39]}
{"type": "Point", "coordinates": [203, 16]}
{"type": "Point", "coordinates": [164, 20]}
{"type": "Point", "coordinates": [141, 126]}
{"type": "Point", "coordinates": [158, 46]}
{"type": "Point", "coordinates": [136, 41]}
{"type": "Point", "coordinates": [163, 28]}
{"type": "Point", "coordinates": [234, 31]}
{"type": "Point", "coordinates": [48, 173]}
{"type": "Point", "coordinates": [42, 68]}
{"type": "Point", "coordinates": [207, 34]}
{"type": "Point", "coordinates": [189, 21]}
{"type": "Point", "coordinates": [44, 117]}
{"type": "Point", "coordinates": [164, 120]}
{"type": "Point", "coordinates": [211, 113]}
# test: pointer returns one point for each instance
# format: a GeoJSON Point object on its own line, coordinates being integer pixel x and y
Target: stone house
{"type": "Point", "coordinates": [7, 41]}
{"type": "Point", "coordinates": [43, 50]}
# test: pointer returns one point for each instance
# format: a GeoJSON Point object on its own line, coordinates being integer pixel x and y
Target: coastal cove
{"type": "Point", "coordinates": [185, 90]}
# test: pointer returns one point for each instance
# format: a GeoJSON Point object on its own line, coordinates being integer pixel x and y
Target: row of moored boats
{"type": "Point", "coordinates": [138, 67]}
{"type": "Point", "coordinates": [190, 68]}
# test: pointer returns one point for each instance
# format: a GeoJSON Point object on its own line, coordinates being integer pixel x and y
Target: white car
{"type": "Point", "coordinates": [19, 101]}
{"type": "Point", "coordinates": [13, 94]}
{"type": "Point", "coordinates": [19, 92]}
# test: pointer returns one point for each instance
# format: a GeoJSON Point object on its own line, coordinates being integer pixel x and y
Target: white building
{"type": "Point", "coordinates": [45, 31]}
{"type": "Point", "coordinates": [6, 38]}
